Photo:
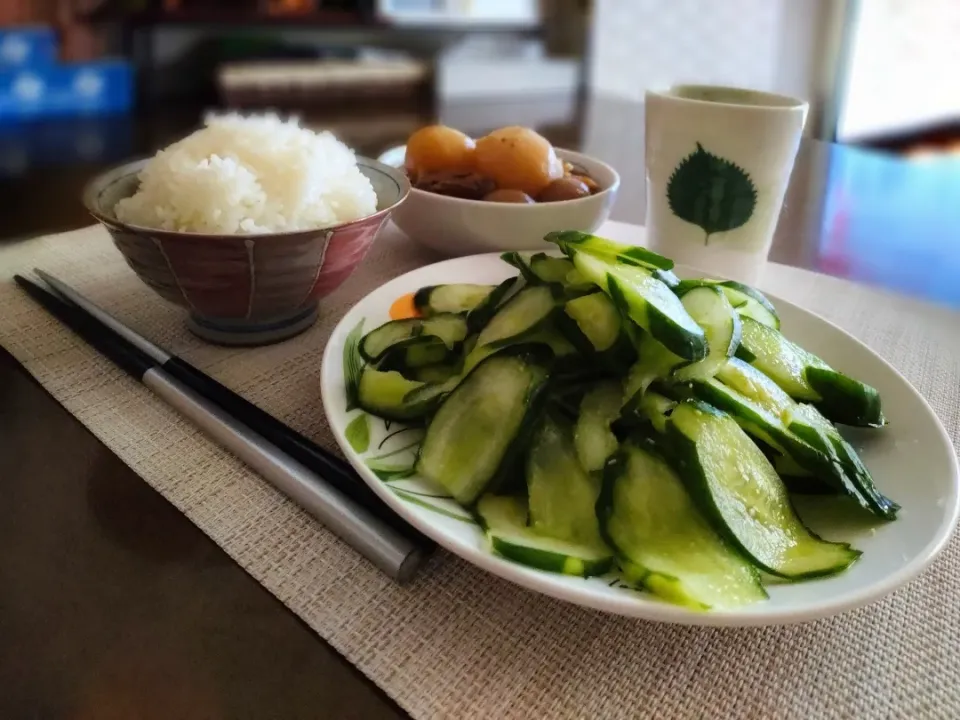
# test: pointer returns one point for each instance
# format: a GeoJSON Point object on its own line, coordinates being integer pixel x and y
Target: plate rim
{"type": "Point", "coordinates": [649, 609]}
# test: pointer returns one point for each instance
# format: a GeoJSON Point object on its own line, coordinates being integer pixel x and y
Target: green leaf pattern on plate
{"type": "Point", "coordinates": [358, 433]}
{"type": "Point", "coordinates": [711, 192]}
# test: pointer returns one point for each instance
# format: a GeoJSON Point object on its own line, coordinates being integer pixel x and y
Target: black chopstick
{"type": "Point", "coordinates": [393, 545]}
{"type": "Point", "coordinates": [334, 470]}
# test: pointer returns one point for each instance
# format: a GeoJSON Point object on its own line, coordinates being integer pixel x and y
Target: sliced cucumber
{"type": "Point", "coordinates": [748, 302]}
{"type": "Point", "coordinates": [656, 408]}
{"type": "Point", "coordinates": [807, 378]}
{"type": "Point", "coordinates": [799, 480]}
{"type": "Point", "coordinates": [749, 381]}
{"type": "Point", "coordinates": [648, 302]}
{"type": "Point", "coordinates": [479, 316]}
{"type": "Point", "coordinates": [845, 400]}
{"type": "Point", "coordinates": [747, 502]}
{"type": "Point", "coordinates": [573, 240]}
{"type": "Point", "coordinates": [806, 422]}
{"type": "Point", "coordinates": [447, 328]}
{"type": "Point", "coordinates": [548, 335]}
{"type": "Point", "coordinates": [515, 321]}
{"type": "Point", "coordinates": [596, 327]}
{"type": "Point", "coordinates": [522, 264]}
{"type": "Point", "coordinates": [662, 541]}
{"type": "Point", "coordinates": [435, 374]}
{"type": "Point", "coordinates": [460, 298]}
{"type": "Point", "coordinates": [597, 318]}
{"type": "Point", "coordinates": [562, 494]}
{"type": "Point", "coordinates": [592, 437]}
{"type": "Point", "coordinates": [378, 341]}
{"type": "Point", "coordinates": [712, 311]}
{"type": "Point", "coordinates": [407, 357]}
{"type": "Point", "coordinates": [388, 395]}
{"type": "Point", "coordinates": [657, 265]}
{"type": "Point", "coordinates": [753, 417]}
{"type": "Point", "coordinates": [550, 269]}
{"type": "Point", "coordinates": [766, 413]}
{"type": "Point", "coordinates": [655, 362]}
{"type": "Point", "coordinates": [504, 521]}
{"type": "Point", "coordinates": [485, 422]}
{"type": "Point", "coordinates": [529, 308]}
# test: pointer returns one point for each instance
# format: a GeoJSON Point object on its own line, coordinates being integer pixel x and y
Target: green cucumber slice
{"type": "Point", "coordinates": [656, 408]}
{"type": "Point", "coordinates": [480, 315]}
{"type": "Point", "coordinates": [662, 541]}
{"type": "Point", "coordinates": [845, 400]}
{"type": "Point", "coordinates": [386, 395]}
{"type": "Point", "coordinates": [436, 374]}
{"type": "Point", "coordinates": [766, 413]}
{"type": "Point", "coordinates": [808, 423]}
{"type": "Point", "coordinates": [521, 263]}
{"type": "Point", "coordinates": [562, 494]}
{"type": "Point", "coordinates": [597, 318]}
{"type": "Point", "coordinates": [740, 491]}
{"type": "Point", "coordinates": [654, 362]}
{"type": "Point", "coordinates": [504, 521]}
{"type": "Point", "coordinates": [755, 385]}
{"type": "Point", "coordinates": [592, 437]}
{"type": "Point", "coordinates": [459, 298]}
{"type": "Point", "coordinates": [748, 302]}
{"type": "Point", "coordinates": [551, 269]}
{"type": "Point", "coordinates": [712, 311]}
{"type": "Point", "coordinates": [530, 307]}
{"type": "Point", "coordinates": [548, 335]}
{"type": "Point", "coordinates": [573, 240]}
{"type": "Point", "coordinates": [485, 422]}
{"type": "Point", "coordinates": [447, 328]}
{"type": "Point", "coordinates": [520, 317]}
{"type": "Point", "coordinates": [595, 326]}
{"type": "Point", "coordinates": [376, 342]}
{"type": "Point", "coordinates": [807, 378]}
{"type": "Point", "coordinates": [648, 302]}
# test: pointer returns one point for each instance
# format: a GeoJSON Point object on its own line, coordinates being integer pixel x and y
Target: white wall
{"type": "Point", "coordinates": [639, 44]}
{"type": "Point", "coordinates": [904, 69]}
{"type": "Point", "coordinates": [775, 45]}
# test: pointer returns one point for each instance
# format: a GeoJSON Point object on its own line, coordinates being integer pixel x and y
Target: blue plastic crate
{"type": "Point", "coordinates": [91, 140]}
{"type": "Point", "coordinates": [93, 88]}
{"type": "Point", "coordinates": [27, 47]}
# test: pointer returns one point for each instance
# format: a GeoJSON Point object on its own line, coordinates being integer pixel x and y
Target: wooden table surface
{"type": "Point", "coordinates": [113, 605]}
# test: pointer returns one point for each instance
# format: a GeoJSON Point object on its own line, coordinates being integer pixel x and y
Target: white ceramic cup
{"type": "Point", "coordinates": [718, 163]}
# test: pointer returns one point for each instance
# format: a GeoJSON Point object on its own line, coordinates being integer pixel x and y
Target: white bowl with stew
{"type": "Point", "coordinates": [457, 226]}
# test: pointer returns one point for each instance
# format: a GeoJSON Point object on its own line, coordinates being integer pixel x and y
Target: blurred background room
{"type": "Point", "coordinates": [88, 83]}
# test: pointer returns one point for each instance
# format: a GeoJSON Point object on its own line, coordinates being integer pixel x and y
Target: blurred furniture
{"type": "Point", "coordinates": [311, 83]}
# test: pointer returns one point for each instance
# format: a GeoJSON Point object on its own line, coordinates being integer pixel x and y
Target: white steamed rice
{"type": "Point", "coordinates": [247, 175]}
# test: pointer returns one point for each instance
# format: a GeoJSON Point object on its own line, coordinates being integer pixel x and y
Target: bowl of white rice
{"type": "Point", "coordinates": [247, 222]}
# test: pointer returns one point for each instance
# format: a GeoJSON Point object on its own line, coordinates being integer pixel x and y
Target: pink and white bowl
{"type": "Point", "coordinates": [245, 289]}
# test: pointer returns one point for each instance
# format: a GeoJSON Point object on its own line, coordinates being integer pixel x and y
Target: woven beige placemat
{"type": "Point", "coordinates": [459, 643]}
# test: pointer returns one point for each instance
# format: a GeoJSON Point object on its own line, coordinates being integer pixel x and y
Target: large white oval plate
{"type": "Point", "coordinates": [911, 459]}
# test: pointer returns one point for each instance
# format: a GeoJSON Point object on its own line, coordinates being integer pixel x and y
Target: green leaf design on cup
{"type": "Point", "coordinates": [711, 192]}
{"type": "Point", "coordinates": [358, 433]}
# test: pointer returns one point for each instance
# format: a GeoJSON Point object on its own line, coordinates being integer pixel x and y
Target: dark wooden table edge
{"type": "Point", "coordinates": [279, 604]}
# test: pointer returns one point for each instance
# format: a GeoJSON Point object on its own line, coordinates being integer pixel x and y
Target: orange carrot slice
{"type": "Point", "coordinates": [403, 308]}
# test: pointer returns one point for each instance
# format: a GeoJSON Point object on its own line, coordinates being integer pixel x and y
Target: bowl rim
{"type": "Point", "coordinates": [513, 207]}
{"type": "Point", "coordinates": [94, 187]}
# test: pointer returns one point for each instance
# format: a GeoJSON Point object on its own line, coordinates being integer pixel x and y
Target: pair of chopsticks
{"type": "Point", "coordinates": [321, 483]}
